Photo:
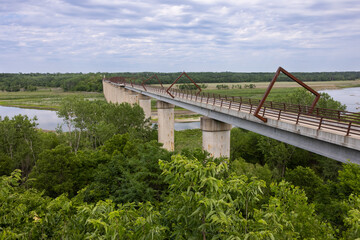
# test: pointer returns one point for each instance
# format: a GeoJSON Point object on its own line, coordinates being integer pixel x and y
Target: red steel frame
{"type": "Point", "coordinates": [143, 83]}
{"type": "Point", "coordinates": [184, 73]}
{"type": "Point", "coordinates": [280, 69]}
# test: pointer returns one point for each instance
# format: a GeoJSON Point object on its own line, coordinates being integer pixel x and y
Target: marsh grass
{"type": "Point", "coordinates": [45, 98]}
{"type": "Point", "coordinates": [188, 139]}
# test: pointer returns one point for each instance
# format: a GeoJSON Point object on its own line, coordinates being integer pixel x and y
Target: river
{"type": "Point", "coordinates": [348, 96]}
{"type": "Point", "coordinates": [48, 120]}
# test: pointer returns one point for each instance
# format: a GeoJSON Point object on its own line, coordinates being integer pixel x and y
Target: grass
{"type": "Point", "coordinates": [46, 98]}
{"type": "Point", "coordinates": [190, 139]}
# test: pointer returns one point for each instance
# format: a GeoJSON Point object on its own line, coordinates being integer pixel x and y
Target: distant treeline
{"type": "Point", "coordinates": [92, 81]}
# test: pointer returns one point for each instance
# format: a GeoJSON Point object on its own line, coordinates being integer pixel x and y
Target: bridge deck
{"type": "Point", "coordinates": [339, 140]}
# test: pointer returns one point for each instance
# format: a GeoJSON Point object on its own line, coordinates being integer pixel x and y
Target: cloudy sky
{"type": "Point", "coordinates": [172, 36]}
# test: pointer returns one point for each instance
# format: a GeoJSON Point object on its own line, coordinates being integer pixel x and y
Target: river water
{"type": "Point", "coordinates": [48, 120]}
{"type": "Point", "coordinates": [348, 96]}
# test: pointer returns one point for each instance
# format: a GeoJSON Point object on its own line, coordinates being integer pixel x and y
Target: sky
{"type": "Point", "coordinates": [174, 36]}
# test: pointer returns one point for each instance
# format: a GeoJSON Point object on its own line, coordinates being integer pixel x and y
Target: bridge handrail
{"type": "Point", "coordinates": [320, 118]}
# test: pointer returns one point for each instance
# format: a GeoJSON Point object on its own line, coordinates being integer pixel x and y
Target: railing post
{"type": "Point", "coordinates": [279, 114]}
{"type": "Point", "coordinates": [320, 122]}
{"type": "Point", "coordinates": [348, 130]}
{"type": "Point", "coordinates": [297, 119]}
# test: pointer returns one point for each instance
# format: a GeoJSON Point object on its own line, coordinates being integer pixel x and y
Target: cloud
{"type": "Point", "coordinates": [164, 35]}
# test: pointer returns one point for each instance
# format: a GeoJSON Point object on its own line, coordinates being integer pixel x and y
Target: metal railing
{"type": "Point", "coordinates": [342, 122]}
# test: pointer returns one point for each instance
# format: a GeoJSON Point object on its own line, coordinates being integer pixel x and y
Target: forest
{"type": "Point", "coordinates": [105, 176]}
{"type": "Point", "coordinates": [91, 82]}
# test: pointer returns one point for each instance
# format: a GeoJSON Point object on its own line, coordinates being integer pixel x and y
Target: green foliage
{"type": "Point", "coordinates": [236, 77]}
{"type": "Point", "coordinates": [205, 202]}
{"type": "Point", "coordinates": [128, 171]}
{"type": "Point", "coordinates": [91, 82]}
{"type": "Point", "coordinates": [191, 86]}
{"type": "Point", "coordinates": [188, 139]}
{"type": "Point", "coordinates": [91, 123]}
{"type": "Point", "coordinates": [18, 144]}
{"type": "Point", "coordinates": [236, 86]}
{"type": "Point", "coordinates": [349, 179]}
{"type": "Point", "coordinates": [289, 216]}
{"type": "Point", "coordinates": [306, 179]}
{"type": "Point", "coordinates": [222, 86]}
{"type": "Point", "coordinates": [26, 214]}
{"type": "Point", "coordinates": [243, 145]}
{"type": "Point", "coordinates": [352, 221]}
{"type": "Point", "coordinates": [18, 208]}
{"type": "Point", "coordinates": [55, 172]}
{"type": "Point", "coordinates": [241, 167]}
{"type": "Point", "coordinates": [250, 86]}
{"type": "Point", "coordinates": [305, 98]}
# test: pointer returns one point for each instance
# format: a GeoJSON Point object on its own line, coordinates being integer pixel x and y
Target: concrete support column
{"type": "Point", "coordinates": [216, 137]}
{"type": "Point", "coordinates": [127, 95]}
{"type": "Point", "coordinates": [117, 96]}
{"type": "Point", "coordinates": [112, 93]}
{"type": "Point", "coordinates": [166, 124]}
{"type": "Point", "coordinates": [145, 104]}
{"type": "Point", "coordinates": [120, 95]}
{"type": "Point", "coordinates": [133, 98]}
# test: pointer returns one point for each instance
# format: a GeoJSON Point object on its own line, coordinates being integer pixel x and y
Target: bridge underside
{"type": "Point", "coordinates": [293, 137]}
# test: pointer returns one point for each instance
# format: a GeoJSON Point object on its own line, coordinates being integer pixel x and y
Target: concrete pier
{"type": "Point", "coordinates": [127, 95]}
{"type": "Point", "coordinates": [133, 98]}
{"type": "Point", "coordinates": [120, 95]}
{"type": "Point", "coordinates": [166, 124]}
{"type": "Point", "coordinates": [216, 137]}
{"type": "Point", "coordinates": [145, 104]}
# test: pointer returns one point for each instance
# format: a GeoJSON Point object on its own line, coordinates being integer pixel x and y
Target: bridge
{"type": "Point", "coordinates": [330, 133]}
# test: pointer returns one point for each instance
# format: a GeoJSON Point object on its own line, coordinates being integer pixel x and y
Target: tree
{"type": "Point", "coordinates": [276, 154]}
{"type": "Point", "coordinates": [287, 215]}
{"type": "Point", "coordinates": [128, 171]}
{"type": "Point", "coordinates": [205, 202]}
{"type": "Point", "coordinates": [91, 123]}
{"type": "Point", "coordinates": [18, 144]}
{"type": "Point", "coordinates": [305, 98]}
{"type": "Point", "coordinates": [54, 172]}
{"type": "Point", "coordinates": [306, 179]}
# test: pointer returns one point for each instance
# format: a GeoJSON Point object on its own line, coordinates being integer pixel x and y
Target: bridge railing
{"type": "Point", "coordinates": [321, 118]}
